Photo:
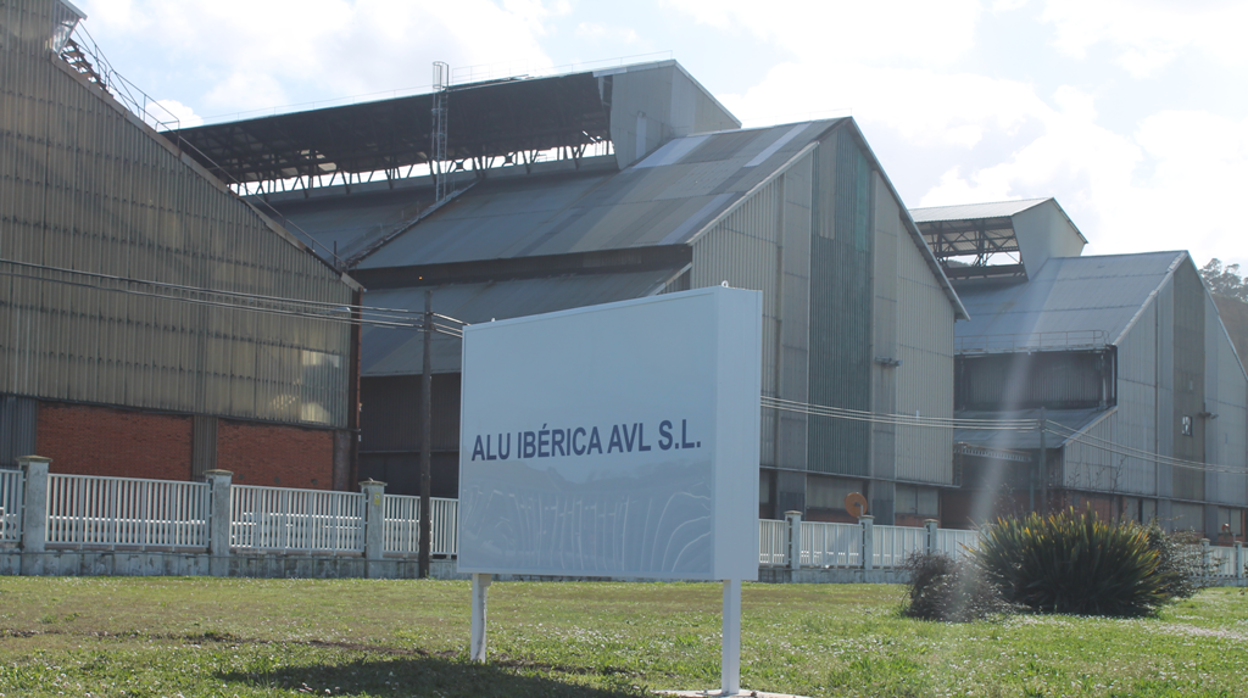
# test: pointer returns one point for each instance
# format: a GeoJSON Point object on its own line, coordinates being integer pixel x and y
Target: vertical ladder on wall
{"type": "Point", "coordinates": [437, 161]}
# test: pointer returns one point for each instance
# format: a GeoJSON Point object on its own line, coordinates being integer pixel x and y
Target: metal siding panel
{"type": "Point", "coordinates": [925, 327]}
{"type": "Point", "coordinates": [1189, 380]}
{"type": "Point", "coordinates": [1163, 419]}
{"type": "Point", "coordinates": [103, 195]}
{"type": "Point", "coordinates": [840, 311]}
{"type": "Point", "coordinates": [744, 250]}
{"type": "Point", "coordinates": [1226, 433]}
{"type": "Point", "coordinates": [885, 228]}
{"type": "Point", "coordinates": [794, 369]}
{"type": "Point", "coordinates": [18, 428]}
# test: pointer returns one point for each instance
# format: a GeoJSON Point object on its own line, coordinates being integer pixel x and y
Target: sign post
{"type": "Point", "coordinates": [618, 441]}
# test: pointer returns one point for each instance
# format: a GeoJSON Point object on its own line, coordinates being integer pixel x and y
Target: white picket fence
{"type": "Point", "coordinates": [127, 513]}
{"type": "Point", "coordinates": [11, 491]}
{"type": "Point", "coordinates": [773, 542]}
{"type": "Point", "coordinates": [115, 512]}
{"type": "Point", "coordinates": [831, 544]}
{"type": "Point", "coordinates": [402, 517]}
{"type": "Point", "coordinates": [275, 519]}
{"type": "Point", "coordinates": [956, 543]}
{"type": "Point", "coordinates": [895, 544]}
{"type": "Point", "coordinates": [1221, 561]}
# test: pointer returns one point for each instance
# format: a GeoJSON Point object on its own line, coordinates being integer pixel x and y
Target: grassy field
{"type": "Point", "coordinates": [245, 637]}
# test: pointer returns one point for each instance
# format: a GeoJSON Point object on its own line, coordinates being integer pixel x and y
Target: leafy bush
{"type": "Point", "coordinates": [942, 588]}
{"type": "Point", "coordinates": [1180, 561]}
{"type": "Point", "coordinates": [1074, 563]}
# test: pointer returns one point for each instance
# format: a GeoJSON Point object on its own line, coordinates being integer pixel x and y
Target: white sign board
{"type": "Point", "coordinates": [617, 440]}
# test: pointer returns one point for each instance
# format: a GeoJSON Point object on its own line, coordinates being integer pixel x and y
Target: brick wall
{"type": "Point", "coordinates": [88, 440]}
{"type": "Point", "coordinates": [275, 455]}
{"type": "Point", "coordinates": [83, 440]}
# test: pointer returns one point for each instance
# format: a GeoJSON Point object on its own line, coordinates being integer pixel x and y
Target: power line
{"type": "Point", "coordinates": [899, 419]}
{"type": "Point", "coordinates": [1020, 425]}
{"type": "Point", "coordinates": [341, 313]}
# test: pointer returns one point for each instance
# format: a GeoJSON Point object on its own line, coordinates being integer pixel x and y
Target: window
{"type": "Point", "coordinates": [1187, 425]}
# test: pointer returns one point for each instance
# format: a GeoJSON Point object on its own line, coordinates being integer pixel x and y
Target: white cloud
{"type": "Point", "coordinates": [173, 114]}
{"type": "Point", "coordinates": [597, 31]}
{"type": "Point", "coordinates": [1148, 34]}
{"type": "Point", "coordinates": [908, 30]}
{"type": "Point", "coordinates": [276, 50]}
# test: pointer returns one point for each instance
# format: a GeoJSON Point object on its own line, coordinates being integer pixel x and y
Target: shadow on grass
{"type": "Point", "coordinates": [426, 675]}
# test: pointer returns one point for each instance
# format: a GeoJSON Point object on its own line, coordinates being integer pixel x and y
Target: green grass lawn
{"type": "Point", "coordinates": [251, 637]}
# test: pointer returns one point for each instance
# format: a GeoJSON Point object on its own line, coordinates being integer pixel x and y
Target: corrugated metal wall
{"type": "Point", "coordinates": [1088, 468]}
{"type": "Point", "coordinates": [1226, 398]}
{"type": "Point", "coordinates": [1208, 379]}
{"type": "Point", "coordinates": [793, 369]}
{"type": "Point", "coordinates": [1135, 422]}
{"type": "Point", "coordinates": [84, 185]}
{"type": "Point", "coordinates": [841, 305]}
{"type": "Point", "coordinates": [1189, 380]}
{"type": "Point", "coordinates": [924, 380]}
{"type": "Point", "coordinates": [744, 250]}
{"type": "Point", "coordinates": [391, 415]}
{"type": "Point", "coordinates": [886, 232]}
{"type": "Point", "coordinates": [18, 419]}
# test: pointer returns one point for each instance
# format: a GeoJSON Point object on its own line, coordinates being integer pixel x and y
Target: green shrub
{"type": "Point", "coordinates": [942, 588]}
{"type": "Point", "coordinates": [1073, 563]}
{"type": "Point", "coordinates": [1180, 561]}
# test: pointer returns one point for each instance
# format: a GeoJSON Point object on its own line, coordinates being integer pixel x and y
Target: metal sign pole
{"type": "Point", "coordinates": [480, 591]}
{"type": "Point", "coordinates": [730, 662]}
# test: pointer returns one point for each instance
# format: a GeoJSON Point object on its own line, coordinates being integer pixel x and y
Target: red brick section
{"type": "Point", "coordinates": [83, 440]}
{"type": "Point", "coordinates": [276, 456]}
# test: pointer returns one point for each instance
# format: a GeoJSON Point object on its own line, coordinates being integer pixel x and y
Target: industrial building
{"type": "Point", "coordinates": [1122, 358]}
{"type": "Point", "coordinates": [548, 193]}
{"type": "Point", "coordinates": [152, 322]}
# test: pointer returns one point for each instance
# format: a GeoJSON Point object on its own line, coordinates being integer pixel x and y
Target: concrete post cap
{"type": "Point", "coordinates": [793, 512]}
{"type": "Point", "coordinates": [372, 483]}
{"type": "Point", "coordinates": [867, 517]}
{"type": "Point", "coordinates": [219, 473]}
{"type": "Point", "coordinates": [33, 459]}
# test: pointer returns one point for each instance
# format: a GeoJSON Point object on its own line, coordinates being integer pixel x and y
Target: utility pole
{"type": "Point", "coordinates": [1044, 464]}
{"type": "Point", "coordinates": [426, 436]}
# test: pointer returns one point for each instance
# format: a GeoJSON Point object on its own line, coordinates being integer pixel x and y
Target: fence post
{"type": "Point", "coordinates": [1238, 557]}
{"type": "Point", "coordinates": [219, 514]}
{"type": "Point", "coordinates": [868, 541]}
{"type": "Point", "coordinates": [932, 538]}
{"type": "Point", "coordinates": [34, 513]}
{"type": "Point", "coordinates": [1204, 557]}
{"type": "Point", "coordinates": [374, 526]}
{"type": "Point", "coordinates": [794, 552]}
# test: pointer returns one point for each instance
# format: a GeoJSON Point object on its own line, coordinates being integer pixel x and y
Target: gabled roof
{"type": "Point", "coordinates": [667, 198]}
{"type": "Point", "coordinates": [1071, 302]}
{"type": "Point", "coordinates": [484, 119]}
{"type": "Point", "coordinates": [958, 212]}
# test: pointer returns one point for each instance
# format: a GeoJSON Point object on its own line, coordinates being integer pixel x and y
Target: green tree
{"type": "Point", "coordinates": [1224, 280]}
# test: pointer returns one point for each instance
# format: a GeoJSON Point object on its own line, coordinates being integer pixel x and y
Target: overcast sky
{"type": "Point", "coordinates": [1133, 114]}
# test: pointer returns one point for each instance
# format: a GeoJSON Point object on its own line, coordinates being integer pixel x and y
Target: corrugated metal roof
{"type": "Point", "coordinates": [400, 352]}
{"type": "Point", "coordinates": [1072, 301]}
{"type": "Point", "coordinates": [960, 212]}
{"type": "Point", "coordinates": [666, 198]}
{"type": "Point", "coordinates": [1076, 420]}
